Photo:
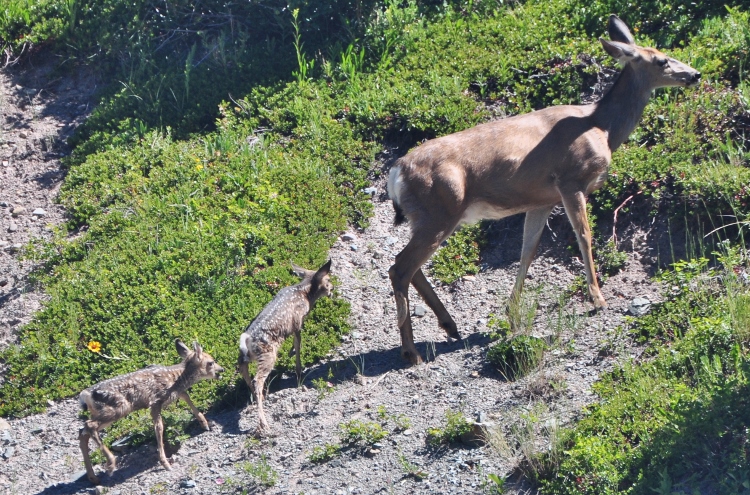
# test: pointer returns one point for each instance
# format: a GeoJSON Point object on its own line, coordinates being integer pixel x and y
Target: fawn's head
{"type": "Point", "coordinates": [198, 360]}
{"type": "Point", "coordinates": [320, 282]}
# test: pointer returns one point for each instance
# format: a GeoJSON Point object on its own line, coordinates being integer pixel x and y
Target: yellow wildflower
{"type": "Point", "coordinates": [94, 346]}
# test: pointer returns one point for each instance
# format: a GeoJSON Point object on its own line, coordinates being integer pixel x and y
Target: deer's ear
{"type": "Point", "coordinates": [622, 52]}
{"type": "Point", "coordinates": [182, 349]}
{"type": "Point", "coordinates": [618, 31]}
{"type": "Point", "coordinates": [301, 272]}
{"type": "Point", "coordinates": [197, 348]}
{"type": "Point", "coordinates": [322, 272]}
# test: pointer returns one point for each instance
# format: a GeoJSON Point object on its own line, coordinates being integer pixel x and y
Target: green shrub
{"type": "Point", "coordinates": [517, 356]}
{"type": "Point", "coordinates": [456, 426]}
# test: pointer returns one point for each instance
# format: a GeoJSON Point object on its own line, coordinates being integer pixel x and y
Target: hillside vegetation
{"type": "Point", "coordinates": [234, 137]}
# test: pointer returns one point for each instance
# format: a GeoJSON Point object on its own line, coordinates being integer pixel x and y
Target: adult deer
{"type": "Point", "coordinates": [527, 163]}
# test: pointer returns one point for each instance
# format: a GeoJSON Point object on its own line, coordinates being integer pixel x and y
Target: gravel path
{"type": "Point", "coordinates": [369, 381]}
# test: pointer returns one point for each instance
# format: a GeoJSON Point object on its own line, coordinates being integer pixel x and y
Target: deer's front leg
{"type": "Point", "coordinates": [297, 351]}
{"type": "Point", "coordinates": [159, 431]}
{"type": "Point", "coordinates": [198, 415]}
{"type": "Point", "coordinates": [575, 208]}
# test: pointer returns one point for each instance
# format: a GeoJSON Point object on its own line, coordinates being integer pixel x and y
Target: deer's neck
{"type": "Point", "coordinates": [186, 377]}
{"type": "Point", "coordinates": [620, 110]}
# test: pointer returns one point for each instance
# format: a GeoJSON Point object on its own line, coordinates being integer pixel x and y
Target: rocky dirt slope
{"type": "Point", "coordinates": [368, 379]}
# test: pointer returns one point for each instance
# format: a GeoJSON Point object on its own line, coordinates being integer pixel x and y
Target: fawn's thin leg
{"type": "Point", "coordinates": [159, 431]}
{"type": "Point", "coordinates": [297, 350]}
{"type": "Point", "coordinates": [245, 372]}
{"type": "Point", "coordinates": [265, 365]}
{"type": "Point", "coordinates": [198, 415]}
{"type": "Point", "coordinates": [83, 438]}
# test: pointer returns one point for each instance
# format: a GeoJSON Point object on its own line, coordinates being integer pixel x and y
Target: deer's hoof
{"type": "Point", "coordinates": [95, 480]}
{"type": "Point", "coordinates": [412, 356]}
{"type": "Point", "coordinates": [166, 464]}
{"type": "Point", "coordinates": [110, 467]}
{"type": "Point", "coordinates": [451, 330]}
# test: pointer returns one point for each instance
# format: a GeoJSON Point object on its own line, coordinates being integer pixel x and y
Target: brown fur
{"type": "Point", "coordinates": [526, 163]}
{"type": "Point", "coordinates": [282, 317]}
{"type": "Point", "coordinates": [152, 387]}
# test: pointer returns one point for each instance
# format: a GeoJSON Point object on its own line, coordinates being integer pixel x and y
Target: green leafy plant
{"type": "Point", "coordinates": [324, 453]}
{"type": "Point", "coordinates": [460, 256]}
{"type": "Point", "coordinates": [261, 471]}
{"type": "Point", "coordinates": [456, 426]}
{"type": "Point", "coordinates": [361, 432]}
{"type": "Point", "coordinates": [517, 356]}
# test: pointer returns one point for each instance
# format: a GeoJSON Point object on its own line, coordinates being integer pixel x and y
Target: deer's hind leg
{"type": "Point", "coordinates": [407, 270]}
{"type": "Point", "coordinates": [91, 430]}
{"type": "Point", "coordinates": [425, 290]}
{"type": "Point", "coordinates": [83, 438]}
{"type": "Point", "coordinates": [265, 364]}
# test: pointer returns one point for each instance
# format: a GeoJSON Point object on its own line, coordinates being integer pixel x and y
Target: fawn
{"type": "Point", "coordinates": [282, 317]}
{"type": "Point", "coordinates": [152, 387]}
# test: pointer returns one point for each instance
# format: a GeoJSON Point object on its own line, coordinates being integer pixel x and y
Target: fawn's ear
{"type": "Point", "coordinates": [197, 348]}
{"type": "Point", "coordinates": [182, 349]}
{"type": "Point", "coordinates": [301, 272]}
{"type": "Point", "coordinates": [322, 272]}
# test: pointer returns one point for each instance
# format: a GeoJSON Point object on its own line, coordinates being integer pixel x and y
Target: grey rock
{"type": "Point", "coordinates": [419, 311]}
{"type": "Point", "coordinates": [187, 484]}
{"type": "Point", "coordinates": [9, 452]}
{"type": "Point", "coordinates": [78, 475]}
{"type": "Point", "coordinates": [14, 248]}
{"type": "Point", "coordinates": [39, 212]}
{"type": "Point", "coordinates": [348, 237]}
{"type": "Point", "coordinates": [390, 241]}
{"type": "Point", "coordinates": [12, 227]}
{"type": "Point", "coordinates": [36, 429]}
{"type": "Point", "coordinates": [17, 211]}
{"type": "Point", "coordinates": [370, 191]}
{"type": "Point", "coordinates": [4, 425]}
{"type": "Point", "coordinates": [639, 306]}
{"type": "Point", "coordinates": [354, 247]}
{"type": "Point", "coordinates": [121, 444]}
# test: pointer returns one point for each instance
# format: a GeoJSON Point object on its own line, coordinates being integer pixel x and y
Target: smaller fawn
{"type": "Point", "coordinates": [152, 387]}
{"type": "Point", "coordinates": [282, 317]}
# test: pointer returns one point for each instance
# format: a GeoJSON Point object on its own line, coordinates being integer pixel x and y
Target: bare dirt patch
{"type": "Point", "coordinates": [40, 107]}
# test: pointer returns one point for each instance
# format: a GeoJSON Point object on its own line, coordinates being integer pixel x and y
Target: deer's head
{"type": "Point", "coordinates": [198, 360]}
{"type": "Point", "coordinates": [655, 68]}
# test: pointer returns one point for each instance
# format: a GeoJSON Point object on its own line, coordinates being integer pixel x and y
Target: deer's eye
{"type": "Point", "coordinates": [661, 62]}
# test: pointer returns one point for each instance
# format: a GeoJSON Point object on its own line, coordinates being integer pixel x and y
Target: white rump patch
{"type": "Point", "coordinates": [395, 184]}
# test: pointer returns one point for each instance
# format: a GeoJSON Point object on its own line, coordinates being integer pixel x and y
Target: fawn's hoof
{"type": "Point", "coordinates": [110, 467]}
